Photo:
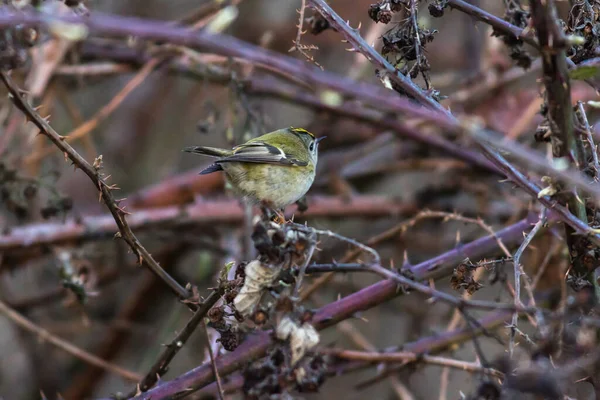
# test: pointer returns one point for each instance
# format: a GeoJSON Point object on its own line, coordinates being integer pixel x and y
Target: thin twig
{"type": "Point", "coordinates": [588, 135]}
{"type": "Point", "coordinates": [394, 231]}
{"type": "Point", "coordinates": [518, 270]}
{"type": "Point", "coordinates": [93, 69]}
{"type": "Point", "coordinates": [406, 357]}
{"type": "Point", "coordinates": [75, 351]}
{"type": "Point", "coordinates": [336, 267]}
{"type": "Point", "coordinates": [452, 339]}
{"type": "Point", "coordinates": [460, 303]}
{"type": "Point", "coordinates": [455, 322]}
{"type": "Point", "coordinates": [213, 363]}
{"type": "Point", "coordinates": [302, 48]}
{"type": "Point", "coordinates": [366, 249]}
{"type": "Point", "coordinates": [361, 341]}
{"type": "Point", "coordinates": [302, 270]}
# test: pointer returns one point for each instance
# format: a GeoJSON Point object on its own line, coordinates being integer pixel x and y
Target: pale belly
{"type": "Point", "coordinates": [270, 183]}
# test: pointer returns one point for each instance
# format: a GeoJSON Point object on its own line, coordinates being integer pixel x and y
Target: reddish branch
{"type": "Point", "coordinates": [202, 213]}
{"type": "Point", "coordinates": [178, 190]}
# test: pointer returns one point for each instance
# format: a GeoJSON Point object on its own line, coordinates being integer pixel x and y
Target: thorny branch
{"type": "Point", "coordinates": [559, 113]}
{"type": "Point", "coordinates": [303, 48]}
{"type": "Point", "coordinates": [93, 172]}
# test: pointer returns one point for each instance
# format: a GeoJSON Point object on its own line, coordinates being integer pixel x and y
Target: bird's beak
{"type": "Point", "coordinates": [317, 140]}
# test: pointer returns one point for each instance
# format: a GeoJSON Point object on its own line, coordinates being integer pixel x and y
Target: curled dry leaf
{"type": "Point", "coordinates": [259, 276]}
{"type": "Point", "coordinates": [302, 337]}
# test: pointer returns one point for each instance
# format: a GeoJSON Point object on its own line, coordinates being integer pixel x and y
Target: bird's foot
{"type": "Point", "coordinates": [279, 217]}
{"type": "Point", "coordinates": [273, 214]}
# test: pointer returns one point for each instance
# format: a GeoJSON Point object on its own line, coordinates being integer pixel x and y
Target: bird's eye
{"type": "Point", "coordinates": [311, 147]}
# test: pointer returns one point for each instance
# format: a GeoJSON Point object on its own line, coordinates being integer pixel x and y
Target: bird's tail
{"type": "Point", "coordinates": [208, 151]}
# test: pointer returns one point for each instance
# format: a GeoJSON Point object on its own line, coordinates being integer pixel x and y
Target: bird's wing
{"type": "Point", "coordinates": [261, 152]}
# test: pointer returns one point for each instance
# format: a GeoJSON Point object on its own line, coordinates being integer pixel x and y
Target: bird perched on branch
{"type": "Point", "coordinates": [273, 170]}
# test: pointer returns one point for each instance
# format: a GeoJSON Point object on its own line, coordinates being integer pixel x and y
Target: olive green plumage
{"type": "Point", "coordinates": [277, 168]}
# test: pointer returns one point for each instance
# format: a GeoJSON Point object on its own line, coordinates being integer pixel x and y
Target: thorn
{"type": "Point", "coordinates": [122, 211]}
{"type": "Point", "coordinates": [406, 262]}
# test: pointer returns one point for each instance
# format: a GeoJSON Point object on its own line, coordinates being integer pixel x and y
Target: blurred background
{"type": "Point", "coordinates": [139, 118]}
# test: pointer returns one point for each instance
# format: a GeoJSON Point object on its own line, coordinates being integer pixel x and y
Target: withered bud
{"type": "Point", "coordinates": [260, 317]}
{"type": "Point", "coordinates": [317, 24]}
{"type": "Point", "coordinates": [216, 314]}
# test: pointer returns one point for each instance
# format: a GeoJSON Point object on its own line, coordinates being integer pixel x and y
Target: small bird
{"type": "Point", "coordinates": [274, 170]}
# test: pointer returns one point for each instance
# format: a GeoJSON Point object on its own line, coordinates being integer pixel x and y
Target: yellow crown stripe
{"type": "Point", "coordinates": [302, 130]}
